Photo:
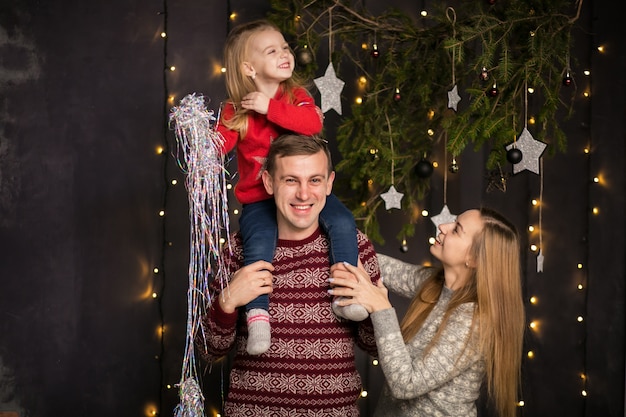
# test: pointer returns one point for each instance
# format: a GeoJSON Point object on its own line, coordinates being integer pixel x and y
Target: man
{"type": "Point", "coordinates": [309, 369]}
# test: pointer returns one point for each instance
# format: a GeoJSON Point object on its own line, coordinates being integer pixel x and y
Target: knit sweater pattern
{"type": "Point", "coordinates": [301, 117]}
{"type": "Point", "coordinates": [446, 380]}
{"type": "Point", "coordinates": [309, 369]}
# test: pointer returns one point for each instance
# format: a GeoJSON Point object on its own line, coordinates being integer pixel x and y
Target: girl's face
{"type": "Point", "coordinates": [452, 246]}
{"type": "Point", "coordinates": [270, 59]}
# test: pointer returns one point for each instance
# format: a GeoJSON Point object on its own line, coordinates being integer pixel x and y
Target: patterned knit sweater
{"type": "Point", "coordinates": [309, 369]}
{"type": "Point", "coordinates": [444, 382]}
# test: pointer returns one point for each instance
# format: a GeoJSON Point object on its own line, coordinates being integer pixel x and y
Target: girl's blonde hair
{"type": "Point", "coordinates": [495, 287]}
{"type": "Point", "coordinates": [236, 51]}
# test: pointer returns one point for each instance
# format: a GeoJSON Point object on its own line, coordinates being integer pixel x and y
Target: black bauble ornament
{"type": "Point", "coordinates": [514, 155]}
{"type": "Point", "coordinates": [304, 55]}
{"type": "Point", "coordinates": [404, 248]}
{"type": "Point", "coordinates": [454, 168]}
{"type": "Point", "coordinates": [424, 169]}
{"type": "Point", "coordinates": [493, 91]}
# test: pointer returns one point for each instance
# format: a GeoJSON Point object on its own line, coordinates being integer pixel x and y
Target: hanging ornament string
{"type": "Point", "coordinates": [329, 85]}
{"type": "Point", "coordinates": [330, 34]}
{"type": "Point", "coordinates": [200, 157]}
{"type": "Point", "coordinates": [453, 95]}
{"type": "Point", "coordinates": [392, 198]}
{"type": "Point", "coordinates": [391, 148]}
{"type": "Point", "coordinates": [540, 256]}
{"type": "Point", "coordinates": [451, 15]}
{"type": "Point", "coordinates": [444, 216]}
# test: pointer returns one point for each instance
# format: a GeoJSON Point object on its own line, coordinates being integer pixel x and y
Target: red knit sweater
{"type": "Point", "coordinates": [301, 117]}
{"type": "Point", "coordinates": [309, 369]}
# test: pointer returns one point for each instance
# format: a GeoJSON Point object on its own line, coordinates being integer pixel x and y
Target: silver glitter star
{"type": "Point", "coordinates": [540, 262]}
{"type": "Point", "coordinates": [330, 88]}
{"type": "Point", "coordinates": [392, 198]}
{"type": "Point", "coordinates": [444, 217]}
{"type": "Point", "coordinates": [531, 152]}
{"type": "Point", "coordinates": [453, 98]}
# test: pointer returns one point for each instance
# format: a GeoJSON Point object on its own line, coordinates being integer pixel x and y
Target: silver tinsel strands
{"type": "Point", "coordinates": [200, 156]}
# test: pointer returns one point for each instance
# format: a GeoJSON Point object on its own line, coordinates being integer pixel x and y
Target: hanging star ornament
{"type": "Point", "coordinates": [531, 152]}
{"type": "Point", "coordinates": [330, 88]}
{"type": "Point", "coordinates": [444, 217]}
{"type": "Point", "coordinates": [392, 198]}
{"type": "Point", "coordinates": [453, 98]}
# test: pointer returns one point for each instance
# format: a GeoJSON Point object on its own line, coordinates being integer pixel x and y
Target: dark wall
{"type": "Point", "coordinates": [83, 109]}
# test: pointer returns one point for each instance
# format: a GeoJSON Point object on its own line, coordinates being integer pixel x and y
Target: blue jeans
{"type": "Point", "coordinates": [258, 229]}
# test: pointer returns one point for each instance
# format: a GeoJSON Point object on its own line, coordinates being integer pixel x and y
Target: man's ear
{"type": "Point", "coordinates": [268, 182]}
{"type": "Point", "coordinates": [329, 184]}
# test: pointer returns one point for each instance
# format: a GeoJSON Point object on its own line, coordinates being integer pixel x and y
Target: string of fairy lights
{"type": "Point", "coordinates": [536, 243]}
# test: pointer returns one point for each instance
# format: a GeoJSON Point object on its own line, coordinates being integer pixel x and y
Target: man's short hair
{"type": "Point", "coordinates": [292, 145]}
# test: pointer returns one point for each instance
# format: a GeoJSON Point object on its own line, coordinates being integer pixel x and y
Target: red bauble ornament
{"type": "Point", "coordinates": [375, 52]}
{"type": "Point", "coordinates": [492, 2]}
{"type": "Point", "coordinates": [396, 95]}
{"type": "Point", "coordinates": [484, 74]}
{"type": "Point", "coordinates": [567, 80]}
{"type": "Point", "coordinates": [493, 91]}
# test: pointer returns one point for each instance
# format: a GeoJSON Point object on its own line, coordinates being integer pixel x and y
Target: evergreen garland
{"type": "Point", "coordinates": [520, 44]}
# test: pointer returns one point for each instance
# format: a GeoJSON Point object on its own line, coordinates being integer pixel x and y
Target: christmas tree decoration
{"type": "Point", "coordinates": [514, 155]}
{"type": "Point", "coordinates": [493, 91]}
{"type": "Point", "coordinates": [540, 259]}
{"type": "Point", "coordinates": [375, 52]}
{"type": "Point", "coordinates": [483, 75]}
{"type": "Point", "coordinates": [496, 180]}
{"type": "Point", "coordinates": [330, 88]}
{"type": "Point", "coordinates": [392, 198]}
{"type": "Point", "coordinates": [425, 54]}
{"type": "Point", "coordinates": [567, 80]}
{"type": "Point", "coordinates": [200, 146]}
{"type": "Point", "coordinates": [304, 55]}
{"type": "Point", "coordinates": [424, 169]}
{"type": "Point", "coordinates": [453, 98]}
{"type": "Point", "coordinates": [454, 166]}
{"type": "Point", "coordinates": [443, 217]}
{"type": "Point", "coordinates": [531, 150]}
{"type": "Point", "coordinates": [396, 95]}
{"type": "Point", "coordinates": [404, 248]}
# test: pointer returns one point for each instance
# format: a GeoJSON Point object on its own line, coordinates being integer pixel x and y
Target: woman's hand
{"type": "Point", "coordinates": [247, 283]}
{"type": "Point", "coordinates": [356, 285]}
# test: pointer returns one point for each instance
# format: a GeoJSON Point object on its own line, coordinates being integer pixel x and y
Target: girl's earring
{"type": "Point", "coordinates": [253, 76]}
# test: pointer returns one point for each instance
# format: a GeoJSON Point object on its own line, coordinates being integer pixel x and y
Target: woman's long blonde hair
{"type": "Point", "coordinates": [495, 287]}
{"type": "Point", "coordinates": [236, 51]}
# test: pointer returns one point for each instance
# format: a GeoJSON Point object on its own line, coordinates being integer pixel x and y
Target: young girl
{"type": "Point", "coordinates": [465, 322]}
{"type": "Point", "coordinates": [264, 102]}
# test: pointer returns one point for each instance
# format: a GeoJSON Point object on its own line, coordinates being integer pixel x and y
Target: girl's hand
{"type": "Point", "coordinates": [256, 101]}
{"type": "Point", "coordinates": [356, 285]}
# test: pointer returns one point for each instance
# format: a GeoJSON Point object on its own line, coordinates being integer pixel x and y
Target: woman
{"type": "Point", "coordinates": [465, 322]}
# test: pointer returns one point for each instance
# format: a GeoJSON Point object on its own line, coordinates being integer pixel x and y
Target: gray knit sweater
{"type": "Point", "coordinates": [446, 381]}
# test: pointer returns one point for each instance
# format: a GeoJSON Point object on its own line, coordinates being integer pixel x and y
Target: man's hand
{"type": "Point", "coordinates": [247, 283]}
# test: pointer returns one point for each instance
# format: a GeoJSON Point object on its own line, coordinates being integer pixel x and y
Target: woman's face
{"type": "Point", "coordinates": [452, 246]}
